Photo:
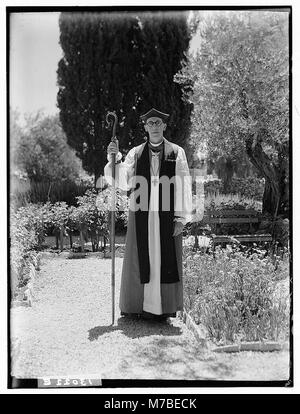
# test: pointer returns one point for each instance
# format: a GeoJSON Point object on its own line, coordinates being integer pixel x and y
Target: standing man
{"type": "Point", "coordinates": [157, 174]}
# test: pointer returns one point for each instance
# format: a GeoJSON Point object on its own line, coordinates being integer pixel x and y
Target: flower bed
{"type": "Point", "coordinates": [237, 296]}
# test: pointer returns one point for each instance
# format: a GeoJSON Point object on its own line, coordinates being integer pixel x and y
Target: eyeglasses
{"type": "Point", "coordinates": [154, 123]}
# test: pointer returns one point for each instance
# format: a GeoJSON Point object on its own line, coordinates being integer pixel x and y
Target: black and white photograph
{"type": "Point", "coordinates": [149, 196]}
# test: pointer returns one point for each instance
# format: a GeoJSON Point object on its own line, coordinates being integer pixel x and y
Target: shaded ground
{"type": "Point", "coordinates": [67, 331]}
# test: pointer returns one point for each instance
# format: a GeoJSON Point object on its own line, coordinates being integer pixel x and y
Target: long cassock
{"type": "Point", "coordinates": [152, 268]}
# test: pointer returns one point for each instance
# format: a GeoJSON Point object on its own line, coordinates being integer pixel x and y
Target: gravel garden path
{"type": "Point", "coordinates": [67, 331]}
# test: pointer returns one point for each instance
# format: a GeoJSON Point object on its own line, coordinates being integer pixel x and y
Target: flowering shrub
{"type": "Point", "coordinates": [235, 294]}
{"type": "Point", "coordinates": [104, 200]}
{"type": "Point", "coordinates": [33, 217]}
{"type": "Point", "coordinates": [90, 219]}
{"type": "Point", "coordinates": [92, 216]}
{"type": "Point", "coordinates": [59, 220]}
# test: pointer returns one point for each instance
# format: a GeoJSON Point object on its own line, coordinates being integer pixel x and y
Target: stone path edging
{"type": "Point", "coordinates": [28, 293]}
{"type": "Point", "coordinates": [79, 255]}
{"type": "Point", "coordinates": [199, 331]}
{"type": "Point", "coordinates": [201, 335]}
{"type": "Point", "coordinates": [253, 346]}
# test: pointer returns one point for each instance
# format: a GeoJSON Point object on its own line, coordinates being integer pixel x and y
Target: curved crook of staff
{"type": "Point", "coordinates": [113, 123]}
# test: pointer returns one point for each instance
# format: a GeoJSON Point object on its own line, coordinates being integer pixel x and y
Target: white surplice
{"type": "Point", "coordinates": [152, 292]}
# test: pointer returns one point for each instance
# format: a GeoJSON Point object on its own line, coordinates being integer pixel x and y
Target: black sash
{"type": "Point", "coordinates": [169, 270]}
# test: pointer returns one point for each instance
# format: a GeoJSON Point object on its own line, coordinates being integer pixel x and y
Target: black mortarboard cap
{"type": "Point", "coordinates": [154, 113]}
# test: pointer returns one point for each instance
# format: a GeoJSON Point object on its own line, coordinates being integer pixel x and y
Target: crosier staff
{"type": "Point", "coordinates": [113, 205]}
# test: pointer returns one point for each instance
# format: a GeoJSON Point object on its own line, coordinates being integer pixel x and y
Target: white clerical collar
{"type": "Point", "coordinates": [156, 145]}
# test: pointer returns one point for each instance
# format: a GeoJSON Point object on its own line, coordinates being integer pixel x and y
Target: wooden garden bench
{"type": "Point", "coordinates": [214, 218]}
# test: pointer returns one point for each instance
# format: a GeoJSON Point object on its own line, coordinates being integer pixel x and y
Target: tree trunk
{"type": "Point", "coordinates": [196, 243]}
{"type": "Point", "coordinates": [270, 198]}
{"type": "Point", "coordinates": [276, 176]}
{"type": "Point", "coordinates": [228, 174]}
{"type": "Point", "coordinates": [82, 241]}
{"type": "Point", "coordinates": [94, 240]}
{"type": "Point", "coordinates": [61, 238]}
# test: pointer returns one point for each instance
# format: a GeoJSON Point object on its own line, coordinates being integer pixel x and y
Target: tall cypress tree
{"type": "Point", "coordinates": [165, 41]}
{"type": "Point", "coordinates": [124, 62]}
{"type": "Point", "coordinates": [97, 74]}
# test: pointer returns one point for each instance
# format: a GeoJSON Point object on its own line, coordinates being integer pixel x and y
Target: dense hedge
{"type": "Point", "coordinates": [250, 187]}
{"type": "Point", "coordinates": [65, 191]}
{"type": "Point", "coordinates": [25, 235]}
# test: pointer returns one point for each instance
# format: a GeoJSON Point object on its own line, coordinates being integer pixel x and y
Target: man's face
{"type": "Point", "coordinates": [155, 127]}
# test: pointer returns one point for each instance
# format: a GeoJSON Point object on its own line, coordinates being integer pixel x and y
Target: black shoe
{"type": "Point", "coordinates": [131, 315]}
{"type": "Point", "coordinates": [162, 318]}
{"type": "Point", "coordinates": [155, 318]}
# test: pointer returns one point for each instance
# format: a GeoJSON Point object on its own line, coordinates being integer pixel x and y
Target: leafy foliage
{"type": "Point", "coordinates": [27, 232]}
{"type": "Point", "coordinates": [15, 135]}
{"type": "Point", "coordinates": [240, 75]}
{"type": "Point", "coordinates": [235, 295]}
{"type": "Point", "coordinates": [59, 217]}
{"type": "Point", "coordinates": [43, 153]}
{"type": "Point", "coordinates": [104, 200]}
{"type": "Point", "coordinates": [249, 187]}
{"type": "Point", "coordinates": [219, 201]}
{"type": "Point", "coordinates": [90, 217]}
